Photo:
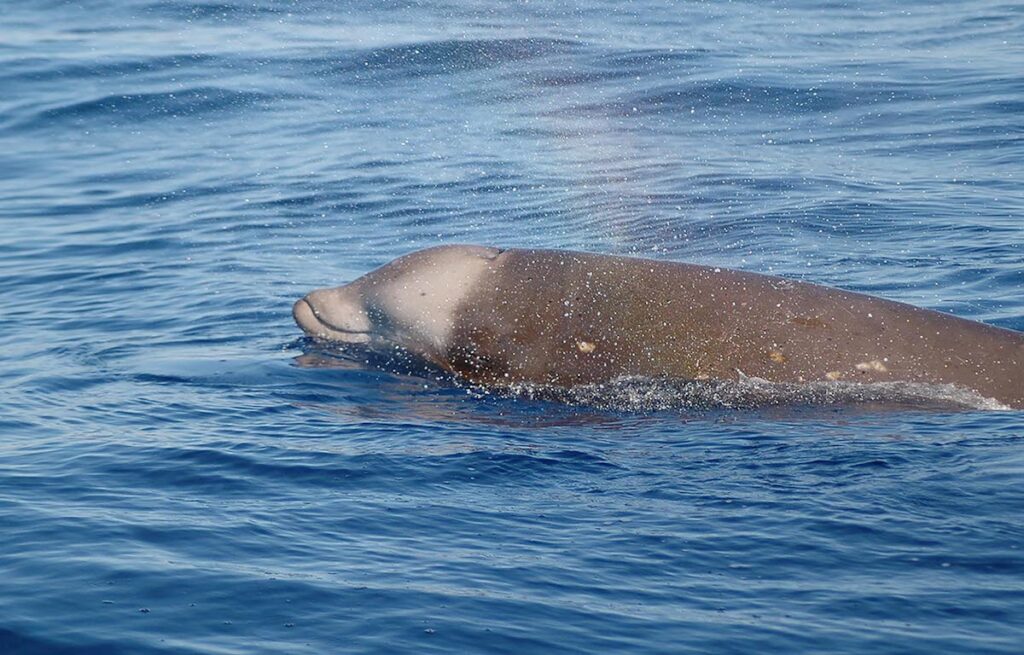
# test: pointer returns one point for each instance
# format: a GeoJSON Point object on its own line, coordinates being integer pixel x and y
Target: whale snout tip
{"type": "Point", "coordinates": [303, 314]}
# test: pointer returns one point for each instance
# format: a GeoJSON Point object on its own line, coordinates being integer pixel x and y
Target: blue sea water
{"type": "Point", "coordinates": [174, 478]}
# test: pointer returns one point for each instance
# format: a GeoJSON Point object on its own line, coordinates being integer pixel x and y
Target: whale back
{"type": "Point", "coordinates": [566, 318]}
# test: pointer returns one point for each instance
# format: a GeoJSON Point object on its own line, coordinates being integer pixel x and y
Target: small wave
{"type": "Point", "coordinates": [215, 12]}
{"type": "Point", "coordinates": [749, 95]}
{"type": "Point", "coordinates": [443, 57]}
{"type": "Point", "coordinates": [645, 60]}
{"type": "Point", "coordinates": [610, 67]}
{"type": "Point", "coordinates": [23, 641]}
{"type": "Point", "coordinates": [39, 69]}
{"type": "Point", "coordinates": [147, 106]}
{"type": "Point", "coordinates": [657, 394]}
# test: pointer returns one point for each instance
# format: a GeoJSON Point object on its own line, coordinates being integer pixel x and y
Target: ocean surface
{"type": "Point", "coordinates": [179, 475]}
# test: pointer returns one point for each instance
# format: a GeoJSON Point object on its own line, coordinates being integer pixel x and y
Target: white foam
{"type": "Point", "coordinates": [655, 394]}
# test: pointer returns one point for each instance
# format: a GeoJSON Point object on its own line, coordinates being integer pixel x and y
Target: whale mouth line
{"type": "Point", "coordinates": [358, 335]}
{"type": "Point", "coordinates": [327, 324]}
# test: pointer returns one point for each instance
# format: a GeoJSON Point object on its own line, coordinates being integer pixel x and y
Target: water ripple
{"type": "Point", "coordinates": [180, 469]}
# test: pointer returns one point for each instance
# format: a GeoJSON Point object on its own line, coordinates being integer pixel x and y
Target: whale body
{"type": "Point", "coordinates": [551, 317]}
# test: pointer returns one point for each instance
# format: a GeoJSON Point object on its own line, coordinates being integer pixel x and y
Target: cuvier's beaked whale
{"type": "Point", "coordinates": [503, 317]}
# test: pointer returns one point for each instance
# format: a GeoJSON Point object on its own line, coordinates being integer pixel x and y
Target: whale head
{"type": "Point", "coordinates": [409, 302]}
